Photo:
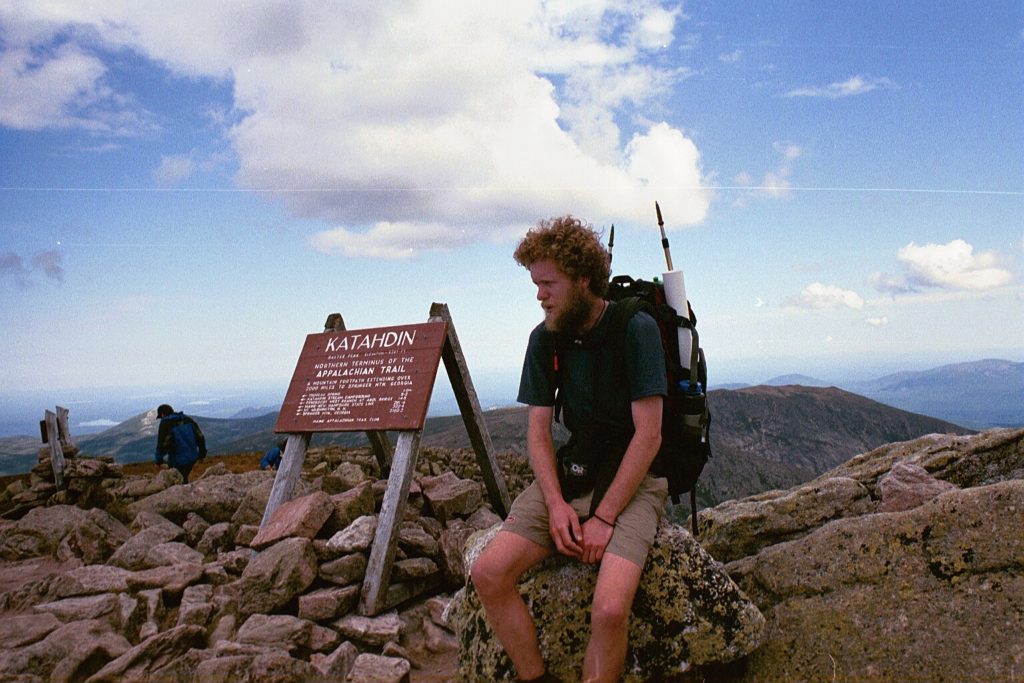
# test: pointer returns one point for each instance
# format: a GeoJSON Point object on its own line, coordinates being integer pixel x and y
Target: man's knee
{"type": "Point", "coordinates": [610, 614]}
{"type": "Point", "coordinates": [486, 575]}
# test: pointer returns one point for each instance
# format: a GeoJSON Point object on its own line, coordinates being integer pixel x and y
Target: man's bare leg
{"type": "Point", "coordinates": [617, 581]}
{"type": "Point", "coordinates": [495, 575]}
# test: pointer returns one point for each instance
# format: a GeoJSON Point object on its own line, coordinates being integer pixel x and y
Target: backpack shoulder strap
{"type": "Point", "coordinates": [619, 314]}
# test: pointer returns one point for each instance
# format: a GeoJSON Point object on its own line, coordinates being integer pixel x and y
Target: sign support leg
{"type": "Point", "coordinates": [382, 555]}
{"type": "Point", "coordinates": [287, 474]}
{"type": "Point", "coordinates": [472, 416]}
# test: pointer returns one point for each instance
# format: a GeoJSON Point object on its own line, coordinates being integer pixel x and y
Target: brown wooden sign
{"type": "Point", "coordinates": [360, 380]}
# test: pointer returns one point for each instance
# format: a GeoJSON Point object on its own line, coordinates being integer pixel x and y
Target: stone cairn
{"type": "Point", "coordinates": [159, 580]}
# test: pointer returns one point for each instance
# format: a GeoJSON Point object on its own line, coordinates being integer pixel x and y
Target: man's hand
{"type": "Point", "coordinates": [564, 527]}
{"type": "Point", "coordinates": [596, 535]}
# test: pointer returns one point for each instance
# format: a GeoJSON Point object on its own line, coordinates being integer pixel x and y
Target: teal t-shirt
{"type": "Point", "coordinates": [638, 373]}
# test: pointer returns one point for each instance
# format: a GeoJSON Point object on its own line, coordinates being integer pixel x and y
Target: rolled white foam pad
{"type": "Point", "coordinates": [675, 294]}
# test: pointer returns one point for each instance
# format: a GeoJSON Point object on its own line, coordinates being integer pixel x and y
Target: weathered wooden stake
{"type": "Point", "coordinates": [56, 452]}
{"type": "Point", "coordinates": [377, 595]}
{"type": "Point", "coordinates": [63, 430]}
{"type": "Point", "coordinates": [472, 416]}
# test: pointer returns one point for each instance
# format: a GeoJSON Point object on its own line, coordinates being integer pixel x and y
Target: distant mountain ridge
{"type": "Point", "coordinates": [802, 380]}
{"type": "Point", "coordinates": [762, 437]}
{"type": "Point", "coordinates": [979, 394]}
{"type": "Point", "coordinates": [767, 437]}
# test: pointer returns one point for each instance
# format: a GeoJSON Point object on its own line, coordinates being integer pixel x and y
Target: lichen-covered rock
{"type": "Point", "coordinates": [64, 531]}
{"type": "Point", "coordinates": [932, 593]}
{"type": "Point", "coordinates": [738, 528]}
{"type": "Point", "coordinates": [987, 458]}
{"type": "Point", "coordinates": [687, 612]}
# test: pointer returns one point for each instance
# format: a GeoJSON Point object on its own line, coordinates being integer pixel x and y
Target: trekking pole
{"type": "Point", "coordinates": [664, 238]}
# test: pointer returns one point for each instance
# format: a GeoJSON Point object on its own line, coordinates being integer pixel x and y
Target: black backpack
{"type": "Point", "coordinates": [686, 419]}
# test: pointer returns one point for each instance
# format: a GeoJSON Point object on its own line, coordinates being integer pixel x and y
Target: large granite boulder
{"type": "Point", "coordinates": [738, 528]}
{"type": "Point", "coordinates": [687, 612]}
{"type": "Point", "coordinates": [215, 499]}
{"type": "Point", "coordinates": [65, 532]}
{"type": "Point", "coordinates": [930, 591]}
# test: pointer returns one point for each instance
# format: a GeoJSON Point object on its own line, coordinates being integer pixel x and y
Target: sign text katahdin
{"type": "Point", "coordinates": [363, 380]}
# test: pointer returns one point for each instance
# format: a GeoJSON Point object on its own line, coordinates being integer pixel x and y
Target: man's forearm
{"type": "Point", "coordinates": [640, 453]}
{"type": "Point", "coordinates": [635, 464]}
{"type": "Point", "coordinates": [542, 462]}
{"type": "Point", "coordinates": [540, 448]}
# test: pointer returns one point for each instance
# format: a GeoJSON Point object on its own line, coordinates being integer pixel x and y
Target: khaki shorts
{"type": "Point", "coordinates": [634, 529]}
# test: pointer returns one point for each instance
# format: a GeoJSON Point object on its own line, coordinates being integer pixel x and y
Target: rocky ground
{"type": "Point", "coordinates": [904, 563]}
{"type": "Point", "coordinates": [162, 580]}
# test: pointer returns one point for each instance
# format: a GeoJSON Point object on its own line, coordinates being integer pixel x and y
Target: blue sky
{"type": "Point", "coordinates": [188, 189]}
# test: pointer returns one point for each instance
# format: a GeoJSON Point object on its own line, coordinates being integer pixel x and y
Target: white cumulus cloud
{"type": "Point", "coordinates": [390, 240]}
{"type": "Point", "coordinates": [475, 116]}
{"type": "Point", "coordinates": [173, 169]}
{"type": "Point", "coordinates": [952, 266]}
{"type": "Point", "coordinates": [819, 296]}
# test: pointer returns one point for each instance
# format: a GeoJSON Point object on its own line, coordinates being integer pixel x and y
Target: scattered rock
{"type": "Point", "coordinates": [356, 537]}
{"type": "Point", "coordinates": [376, 631]}
{"type": "Point", "coordinates": [845, 591]}
{"type": "Point", "coordinates": [371, 668]}
{"type": "Point", "coordinates": [300, 517]}
{"type": "Point", "coordinates": [449, 496]}
{"type": "Point", "coordinates": [276, 576]}
{"type": "Point", "coordinates": [908, 485]}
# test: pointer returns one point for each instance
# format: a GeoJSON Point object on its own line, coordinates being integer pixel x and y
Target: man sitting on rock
{"type": "Point", "coordinates": [594, 501]}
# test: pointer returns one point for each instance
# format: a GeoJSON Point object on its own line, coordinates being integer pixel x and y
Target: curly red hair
{"type": "Point", "coordinates": [573, 245]}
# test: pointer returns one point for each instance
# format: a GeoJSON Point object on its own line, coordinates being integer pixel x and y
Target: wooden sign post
{"type": "Point", "coordinates": [55, 432]}
{"type": "Point", "coordinates": [380, 380]}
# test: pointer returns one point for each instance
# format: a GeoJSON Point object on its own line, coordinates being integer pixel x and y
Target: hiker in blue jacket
{"type": "Point", "coordinates": [272, 458]}
{"type": "Point", "coordinates": [180, 439]}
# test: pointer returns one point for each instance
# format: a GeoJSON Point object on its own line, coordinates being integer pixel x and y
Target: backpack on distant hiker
{"type": "Point", "coordinates": [685, 446]}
